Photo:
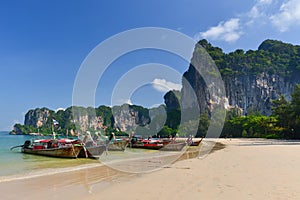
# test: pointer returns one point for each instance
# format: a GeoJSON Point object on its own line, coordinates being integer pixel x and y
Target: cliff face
{"type": "Point", "coordinates": [252, 79]}
{"type": "Point", "coordinates": [79, 119]}
{"type": "Point", "coordinates": [255, 93]}
{"type": "Point", "coordinates": [37, 117]}
{"type": "Point", "coordinates": [85, 122]}
{"type": "Point", "coordinates": [127, 117]}
{"type": "Point", "coordinates": [172, 99]}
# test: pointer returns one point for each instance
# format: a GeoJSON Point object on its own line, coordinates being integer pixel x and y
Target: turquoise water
{"type": "Point", "coordinates": [11, 162]}
{"type": "Point", "coordinates": [16, 164]}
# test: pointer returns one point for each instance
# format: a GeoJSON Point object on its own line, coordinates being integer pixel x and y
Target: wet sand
{"type": "Point", "coordinates": [244, 169]}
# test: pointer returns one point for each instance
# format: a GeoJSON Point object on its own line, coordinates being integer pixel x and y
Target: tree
{"type": "Point", "coordinates": [166, 132]}
{"type": "Point", "coordinates": [295, 114]}
{"type": "Point", "coordinates": [281, 109]}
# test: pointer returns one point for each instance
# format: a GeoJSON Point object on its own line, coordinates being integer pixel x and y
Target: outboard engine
{"type": "Point", "coordinates": [27, 143]}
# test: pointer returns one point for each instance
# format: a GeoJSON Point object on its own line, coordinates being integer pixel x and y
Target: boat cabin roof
{"type": "Point", "coordinates": [60, 140]}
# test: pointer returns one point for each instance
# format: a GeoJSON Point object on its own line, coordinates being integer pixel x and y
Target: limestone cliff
{"type": "Point", "coordinates": [252, 79]}
{"type": "Point", "coordinates": [128, 117]}
{"type": "Point", "coordinates": [255, 93]}
{"type": "Point", "coordinates": [172, 99]}
{"type": "Point", "coordinates": [37, 117]}
{"type": "Point", "coordinates": [75, 120]}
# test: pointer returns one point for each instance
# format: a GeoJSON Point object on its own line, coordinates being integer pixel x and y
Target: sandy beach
{"type": "Point", "coordinates": [244, 169]}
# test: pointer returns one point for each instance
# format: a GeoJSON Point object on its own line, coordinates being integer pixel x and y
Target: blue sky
{"type": "Point", "coordinates": [43, 43]}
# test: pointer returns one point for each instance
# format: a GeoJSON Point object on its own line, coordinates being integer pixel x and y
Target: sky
{"type": "Point", "coordinates": [44, 43]}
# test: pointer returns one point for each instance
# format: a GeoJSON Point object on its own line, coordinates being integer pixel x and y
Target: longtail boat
{"type": "Point", "coordinates": [91, 150]}
{"type": "Point", "coordinates": [118, 145]}
{"type": "Point", "coordinates": [111, 144]}
{"type": "Point", "coordinates": [64, 148]}
{"type": "Point", "coordinates": [147, 144]}
{"type": "Point", "coordinates": [174, 146]}
{"type": "Point", "coordinates": [191, 142]}
{"type": "Point", "coordinates": [157, 144]}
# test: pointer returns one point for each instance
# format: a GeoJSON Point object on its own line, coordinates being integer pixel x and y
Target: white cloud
{"type": "Point", "coordinates": [282, 15]}
{"type": "Point", "coordinates": [16, 121]}
{"type": "Point", "coordinates": [128, 101]}
{"type": "Point", "coordinates": [121, 102]}
{"type": "Point", "coordinates": [228, 31]}
{"type": "Point", "coordinates": [259, 8]}
{"type": "Point", "coordinates": [258, 14]}
{"type": "Point", "coordinates": [58, 109]}
{"type": "Point", "coordinates": [288, 15]}
{"type": "Point", "coordinates": [163, 85]}
{"type": "Point", "coordinates": [254, 12]}
{"type": "Point", "coordinates": [267, 2]}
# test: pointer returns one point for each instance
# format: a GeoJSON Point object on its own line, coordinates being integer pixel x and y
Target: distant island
{"type": "Point", "coordinates": [262, 91]}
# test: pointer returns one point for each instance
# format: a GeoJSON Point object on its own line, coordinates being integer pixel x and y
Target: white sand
{"type": "Point", "coordinates": [235, 172]}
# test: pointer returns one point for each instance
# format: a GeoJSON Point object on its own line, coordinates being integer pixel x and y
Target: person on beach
{"type": "Point", "coordinates": [190, 140]}
{"type": "Point", "coordinates": [131, 139]}
{"type": "Point", "coordinates": [112, 136]}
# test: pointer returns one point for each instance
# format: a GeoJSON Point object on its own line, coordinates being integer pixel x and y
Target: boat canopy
{"type": "Point", "coordinates": [42, 141]}
{"type": "Point", "coordinates": [60, 141]}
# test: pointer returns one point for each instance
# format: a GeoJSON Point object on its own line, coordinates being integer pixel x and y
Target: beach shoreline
{"type": "Point", "coordinates": [249, 168]}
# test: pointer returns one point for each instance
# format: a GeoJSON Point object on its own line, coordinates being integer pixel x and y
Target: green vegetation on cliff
{"type": "Point", "coordinates": [283, 123]}
{"type": "Point", "coordinates": [71, 120]}
{"type": "Point", "coordinates": [272, 57]}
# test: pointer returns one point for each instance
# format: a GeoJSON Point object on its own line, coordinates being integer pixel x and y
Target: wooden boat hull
{"type": "Point", "coordinates": [118, 146]}
{"type": "Point", "coordinates": [195, 143]}
{"type": "Point", "coordinates": [64, 152]}
{"type": "Point", "coordinates": [174, 146]}
{"type": "Point", "coordinates": [148, 146]}
{"type": "Point", "coordinates": [92, 152]}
